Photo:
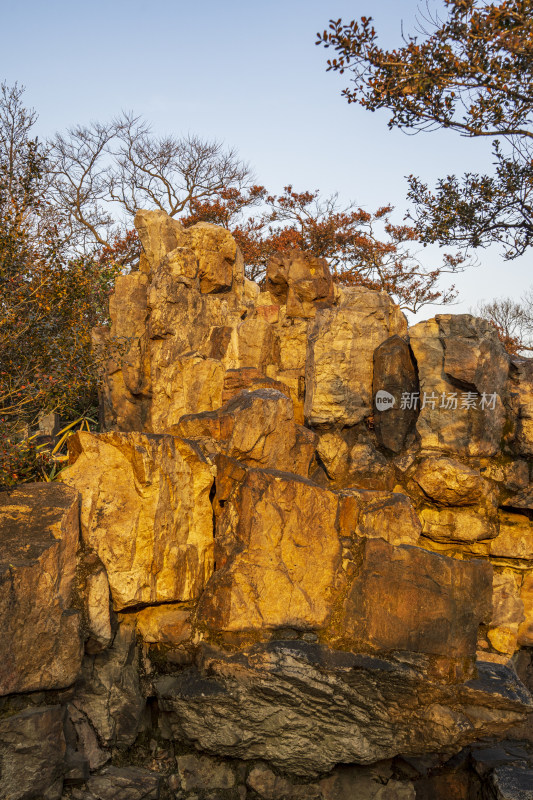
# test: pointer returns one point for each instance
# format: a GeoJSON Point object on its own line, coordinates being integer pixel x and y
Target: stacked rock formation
{"type": "Point", "coordinates": [296, 563]}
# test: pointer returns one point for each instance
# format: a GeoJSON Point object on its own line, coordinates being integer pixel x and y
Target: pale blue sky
{"type": "Point", "coordinates": [250, 74]}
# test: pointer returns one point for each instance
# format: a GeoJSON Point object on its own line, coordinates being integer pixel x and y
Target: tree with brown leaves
{"type": "Point", "coordinates": [362, 248]}
{"type": "Point", "coordinates": [471, 73]}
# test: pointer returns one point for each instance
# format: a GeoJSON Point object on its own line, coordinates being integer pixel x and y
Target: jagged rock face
{"type": "Point", "coordinates": [460, 359]}
{"type": "Point", "coordinates": [255, 427]}
{"type": "Point", "coordinates": [146, 513]}
{"type": "Point", "coordinates": [300, 281]}
{"type": "Point", "coordinates": [277, 556]}
{"type": "Point", "coordinates": [32, 751]}
{"type": "Point", "coordinates": [448, 482]}
{"type": "Point", "coordinates": [341, 344]}
{"type": "Point", "coordinates": [350, 458]}
{"type": "Point", "coordinates": [128, 377]}
{"type": "Point", "coordinates": [42, 647]}
{"type": "Point", "coordinates": [109, 695]}
{"type": "Point", "coordinates": [306, 533]}
{"type": "Point", "coordinates": [277, 703]}
{"type": "Point", "coordinates": [184, 335]}
{"type": "Point", "coordinates": [385, 515]}
{"type": "Point", "coordinates": [522, 384]}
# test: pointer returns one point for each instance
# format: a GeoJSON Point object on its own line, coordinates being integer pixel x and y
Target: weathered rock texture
{"type": "Point", "coordinates": [305, 545]}
{"type": "Point", "coordinates": [41, 644]}
{"type": "Point", "coordinates": [32, 753]}
{"type": "Point", "coordinates": [277, 555]}
{"type": "Point", "coordinates": [145, 513]}
{"type": "Point", "coordinates": [277, 704]}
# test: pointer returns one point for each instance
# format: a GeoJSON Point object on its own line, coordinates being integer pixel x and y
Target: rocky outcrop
{"type": "Point", "coordinates": [463, 372]}
{"type": "Point", "coordinates": [302, 565]}
{"type": "Point", "coordinates": [300, 282]}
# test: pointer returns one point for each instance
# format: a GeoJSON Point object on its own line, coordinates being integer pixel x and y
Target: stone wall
{"type": "Point", "coordinates": [297, 562]}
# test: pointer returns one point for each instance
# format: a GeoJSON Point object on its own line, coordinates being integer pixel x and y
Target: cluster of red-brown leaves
{"type": "Point", "coordinates": [472, 73]}
{"type": "Point", "coordinates": [362, 248]}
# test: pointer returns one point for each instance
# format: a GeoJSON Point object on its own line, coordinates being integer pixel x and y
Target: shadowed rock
{"type": "Point", "coordinates": [39, 534]}
{"type": "Point", "coordinates": [304, 708]}
{"type": "Point", "coordinates": [32, 753]}
{"type": "Point", "coordinates": [395, 373]}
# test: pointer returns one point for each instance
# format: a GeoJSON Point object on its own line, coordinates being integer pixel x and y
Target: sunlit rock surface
{"type": "Point", "coordinates": [146, 513]}
{"type": "Point", "coordinates": [296, 562]}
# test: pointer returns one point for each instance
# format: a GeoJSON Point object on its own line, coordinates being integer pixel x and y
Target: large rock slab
{"type": "Point", "coordinates": [277, 555]}
{"type": "Point", "coordinates": [463, 371]}
{"type": "Point", "coordinates": [256, 428]}
{"type": "Point", "coordinates": [41, 642]}
{"type": "Point", "coordinates": [32, 754]}
{"type": "Point", "coordinates": [404, 598]}
{"type": "Point", "coordinates": [304, 708]}
{"type": "Point", "coordinates": [340, 349]}
{"type": "Point", "coordinates": [146, 513]}
{"type": "Point", "coordinates": [182, 385]}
